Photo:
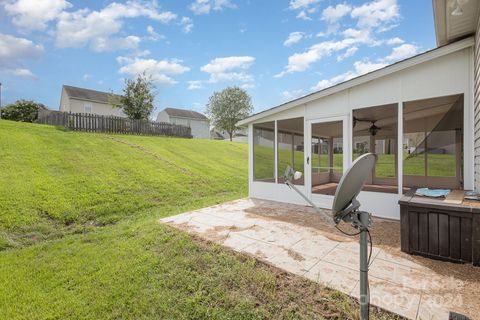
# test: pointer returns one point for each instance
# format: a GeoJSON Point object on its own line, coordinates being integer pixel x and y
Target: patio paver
{"type": "Point", "coordinates": [397, 284]}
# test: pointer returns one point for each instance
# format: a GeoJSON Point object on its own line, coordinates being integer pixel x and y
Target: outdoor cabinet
{"type": "Point", "coordinates": [439, 230]}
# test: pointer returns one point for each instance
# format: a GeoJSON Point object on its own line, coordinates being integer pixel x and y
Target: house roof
{"type": "Point", "coordinates": [88, 94]}
{"type": "Point", "coordinates": [182, 113]}
{"type": "Point", "coordinates": [396, 67]}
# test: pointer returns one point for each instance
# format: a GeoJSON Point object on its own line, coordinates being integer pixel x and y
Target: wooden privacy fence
{"type": "Point", "coordinates": [111, 124]}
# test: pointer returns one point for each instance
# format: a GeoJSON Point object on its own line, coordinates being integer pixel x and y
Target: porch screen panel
{"type": "Point", "coordinates": [290, 147]}
{"type": "Point", "coordinates": [441, 151]}
{"type": "Point", "coordinates": [375, 131]}
{"type": "Point", "coordinates": [432, 142]}
{"type": "Point", "coordinates": [264, 152]}
{"type": "Point", "coordinates": [320, 155]}
{"type": "Point", "coordinates": [327, 156]}
{"type": "Point", "coordinates": [386, 151]}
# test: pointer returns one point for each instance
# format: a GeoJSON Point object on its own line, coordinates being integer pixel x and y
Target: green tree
{"type": "Point", "coordinates": [137, 99]}
{"type": "Point", "coordinates": [227, 107]}
{"type": "Point", "coordinates": [22, 110]}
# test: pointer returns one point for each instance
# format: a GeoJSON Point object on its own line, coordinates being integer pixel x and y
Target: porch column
{"type": "Point", "coordinates": [250, 158]}
{"type": "Point", "coordinates": [330, 157]}
{"type": "Point", "coordinates": [400, 148]}
{"type": "Point", "coordinates": [275, 149]}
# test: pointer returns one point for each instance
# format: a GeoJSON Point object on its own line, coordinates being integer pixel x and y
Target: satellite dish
{"type": "Point", "coordinates": [350, 186]}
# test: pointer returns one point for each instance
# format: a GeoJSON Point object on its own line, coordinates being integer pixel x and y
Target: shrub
{"type": "Point", "coordinates": [21, 110]}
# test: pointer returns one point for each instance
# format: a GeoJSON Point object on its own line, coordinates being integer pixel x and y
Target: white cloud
{"type": "Point", "coordinates": [360, 36]}
{"type": "Point", "coordinates": [394, 41]}
{"type": "Point", "coordinates": [159, 70]}
{"type": "Point", "coordinates": [247, 86]}
{"type": "Point", "coordinates": [200, 6]}
{"type": "Point", "coordinates": [360, 68]}
{"type": "Point", "coordinates": [348, 53]}
{"type": "Point", "coordinates": [101, 44]}
{"type": "Point", "coordinates": [301, 61]}
{"type": "Point", "coordinates": [153, 35]}
{"type": "Point", "coordinates": [14, 51]}
{"type": "Point", "coordinates": [205, 6]}
{"type": "Point", "coordinates": [370, 18]}
{"type": "Point", "coordinates": [187, 24]}
{"type": "Point", "coordinates": [366, 67]}
{"type": "Point", "coordinates": [99, 29]}
{"type": "Point", "coordinates": [377, 13]}
{"type": "Point", "coordinates": [292, 94]}
{"type": "Point", "coordinates": [303, 15]}
{"type": "Point", "coordinates": [305, 7]}
{"type": "Point", "coordinates": [229, 69]}
{"type": "Point", "coordinates": [301, 4]}
{"type": "Point", "coordinates": [333, 14]}
{"type": "Point", "coordinates": [194, 84]}
{"type": "Point", "coordinates": [93, 28]}
{"type": "Point", "coordinates": [22, 72]}
{"type": "Point", "coordinates": [87, 77]}
{"type": "Point", "coordinates": [402, 52]}
{"type": "Point", "coordinates": [293, 38]}
{"type": "Point", "coordinates": [35, 14]}
{"type": "Point", "coordinates": [322, 84]}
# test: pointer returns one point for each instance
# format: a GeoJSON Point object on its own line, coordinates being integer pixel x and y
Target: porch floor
{"type": "Point", "coordinates": [330, 188]}
{"type": "Point", "coordinates": [296, 239]}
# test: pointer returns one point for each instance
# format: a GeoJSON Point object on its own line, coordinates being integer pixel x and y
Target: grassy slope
{"type": "Point", "coordinates": [79, 219]}
{"type": "Point", "coordinates": [55, 182]}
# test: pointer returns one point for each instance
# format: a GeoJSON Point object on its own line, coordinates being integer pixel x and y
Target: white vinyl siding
{"type": "Point", "coordinates": [477, 105]}
{"type": "Point", "coordinates": [200, 128]}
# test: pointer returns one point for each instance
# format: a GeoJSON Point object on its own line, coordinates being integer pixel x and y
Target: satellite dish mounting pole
{"type": "Point", "coordinates": [364, 218]}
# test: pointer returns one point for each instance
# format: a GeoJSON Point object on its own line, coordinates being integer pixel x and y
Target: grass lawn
{"type": "Point", "coordinates": [80, 237]}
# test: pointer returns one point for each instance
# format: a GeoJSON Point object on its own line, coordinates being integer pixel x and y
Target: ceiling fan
{"type": "Point", "coordinates": [373, 128]}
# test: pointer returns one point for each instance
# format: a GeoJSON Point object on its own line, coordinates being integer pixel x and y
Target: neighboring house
{"type": "Point", "coordinates": [420, 115]}
{"type": "Point", "coordinates": [240, 135]}
{"type": "Point", "coordinates": [197, 122]}
{"type": "Point", "coordinates": [81, 100]}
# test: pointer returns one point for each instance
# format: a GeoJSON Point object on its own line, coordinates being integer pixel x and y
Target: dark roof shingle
{"type": "Point", "coordinates": [182, 113]}
{"type": "Point", "coordinates": [88, 94]}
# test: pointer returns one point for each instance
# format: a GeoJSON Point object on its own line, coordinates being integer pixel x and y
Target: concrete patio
{"type": "Point", "coordinates": [413, 287]}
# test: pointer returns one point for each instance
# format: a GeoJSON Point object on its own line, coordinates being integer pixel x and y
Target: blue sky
{"type": "Point", "coordinates": [276, 50]}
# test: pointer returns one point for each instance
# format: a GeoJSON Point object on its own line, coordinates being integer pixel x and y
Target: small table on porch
{"type": "Point", "coordinates": [446, 229]}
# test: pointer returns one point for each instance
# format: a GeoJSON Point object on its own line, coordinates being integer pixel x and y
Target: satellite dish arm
{"type": "Point", "coordinates": [346, 213]}
{"type": "Point", "coordinates": [289, 175]}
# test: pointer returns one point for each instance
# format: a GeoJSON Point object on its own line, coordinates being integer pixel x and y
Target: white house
{"type": "Point", "coordinates": [240, 135]}
{"type": "Point", "coordinates": [420, 115]}
{"type": "Point", "coordinates": [81, 100]}
{"type": "Point", "coordinates": [197, 122]}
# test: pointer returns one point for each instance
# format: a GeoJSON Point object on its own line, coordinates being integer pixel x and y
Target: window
{"type": "Point", "coordinates": [290, 148]}
{"type": "Point", "coordinates": [87, 107]}
{"type": "Point", "coordinates": [264, 152]}
{"type": "Point", "coordinates": [432, 142]}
